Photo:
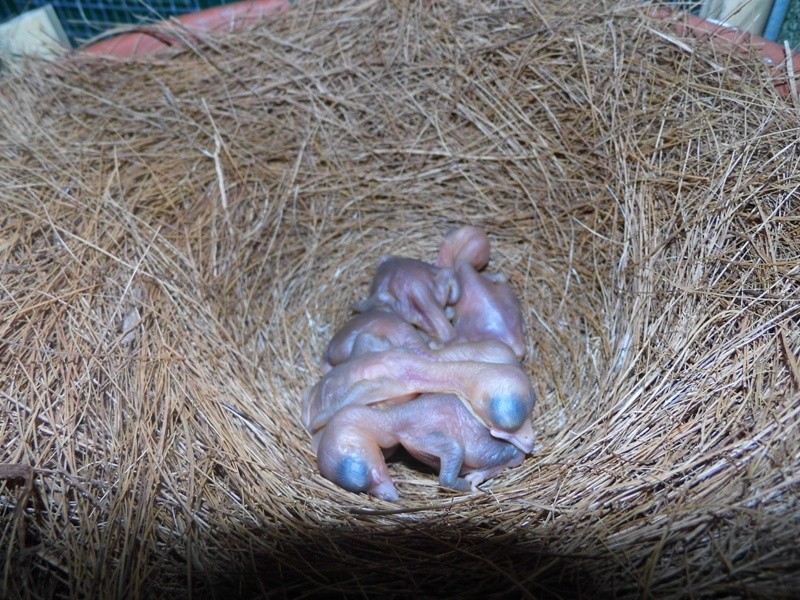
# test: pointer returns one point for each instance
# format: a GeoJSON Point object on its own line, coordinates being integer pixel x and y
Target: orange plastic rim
{"type": "Point", "coordinates": [785, 67]}
{"type": "Point", "coordinates": [226, 17]}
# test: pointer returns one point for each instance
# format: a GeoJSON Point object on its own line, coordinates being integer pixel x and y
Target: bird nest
{"type": "Point", "coordinates": [181, 235]}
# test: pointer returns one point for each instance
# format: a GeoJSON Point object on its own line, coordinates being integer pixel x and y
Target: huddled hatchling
{"type": "Point", "coordinates": [430, 362]}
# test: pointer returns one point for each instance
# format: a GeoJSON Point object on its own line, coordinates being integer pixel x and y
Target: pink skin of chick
{"type": "Point", "coordinates": [498, 394]}
{"type": "Point", "coordinates": [488, 351]}
{"type": "Point", "coordinates": [465, 243]}
{"type": "Point", "coordinates": [379, 328]}
{"type": "Point", "coordinates": [434, 428]}
{"type": "Point", "coordinates": [488, 309]}
{"type": "Point", "coordinates": [417, 292]}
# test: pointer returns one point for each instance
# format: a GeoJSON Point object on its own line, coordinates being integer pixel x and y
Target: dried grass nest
{"type": "Point", "coordinates": [181, 234]}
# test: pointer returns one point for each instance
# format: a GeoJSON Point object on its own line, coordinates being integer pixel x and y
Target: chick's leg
{"type": "Point", "coordinates": [450, 455]}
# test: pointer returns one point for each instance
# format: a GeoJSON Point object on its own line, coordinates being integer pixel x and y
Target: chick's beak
{"type": "Point", "coordinates": [523, 438]}
{"type": "Point", "coordinates": [386, 491]}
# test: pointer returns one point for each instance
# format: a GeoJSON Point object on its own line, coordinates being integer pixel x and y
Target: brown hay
{"type": "Point", "coordinates": [180, 235]}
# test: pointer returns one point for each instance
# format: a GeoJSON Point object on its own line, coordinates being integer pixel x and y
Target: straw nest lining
{"type": "Point", "coordinates": [181, 235]}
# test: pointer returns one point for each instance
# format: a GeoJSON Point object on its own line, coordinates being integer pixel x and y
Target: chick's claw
{"type": "Point", "coordinates": [476, 478]}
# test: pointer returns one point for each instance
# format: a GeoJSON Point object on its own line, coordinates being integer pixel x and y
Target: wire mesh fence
{"type": "Point", "coordinates": [84, 19]}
